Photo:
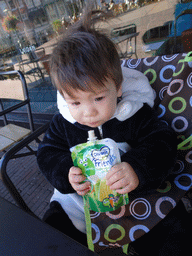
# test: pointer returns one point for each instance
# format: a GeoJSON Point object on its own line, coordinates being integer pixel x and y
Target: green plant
{"type": "Point", "coordinates": [57, 25]}
{"type": "Point", "coordinates": [10, 23]}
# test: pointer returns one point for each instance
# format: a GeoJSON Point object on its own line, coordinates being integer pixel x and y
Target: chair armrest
{"type": "Point", "coordinates": [21, 144]}
{"type": "Point", "coordinates": [10, 155]}
{"type": "Point", "coordinates": [10, 109]}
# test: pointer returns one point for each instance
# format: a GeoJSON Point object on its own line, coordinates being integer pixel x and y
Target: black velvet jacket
{"type": "Point", "coordinates": [152, 154]}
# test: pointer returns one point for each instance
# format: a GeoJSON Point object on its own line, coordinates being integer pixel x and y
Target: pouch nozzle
{"type": "Point", "coordinates": [91, 135]}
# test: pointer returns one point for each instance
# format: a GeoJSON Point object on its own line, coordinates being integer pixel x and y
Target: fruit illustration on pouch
{"type": "Point", "coordinates": [112, 201]}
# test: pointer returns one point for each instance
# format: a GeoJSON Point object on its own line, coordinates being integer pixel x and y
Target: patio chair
{"type": "Point", "coordinates": [40, 52]}
{"type": "Point", "coordinates": [30, 67]}
{"type": "Point", "coordinates": [44, 59]}
{"type": "Point", "coordinates": [171, 78]}
{"type": "Point", "coordinates": [125, 34]}
{"type": "Point", "coordinates": [13, 138]}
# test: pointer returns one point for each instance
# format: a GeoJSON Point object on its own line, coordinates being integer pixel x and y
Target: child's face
{"type": "Point", "coordinates": [93, 108]}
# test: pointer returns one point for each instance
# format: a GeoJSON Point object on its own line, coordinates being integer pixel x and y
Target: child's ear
{"type": "Point", "coordinates": [119, 91]}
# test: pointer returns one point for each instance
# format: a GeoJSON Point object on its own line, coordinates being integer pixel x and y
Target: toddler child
{"type": "Point", "coordinates": [96, 93]}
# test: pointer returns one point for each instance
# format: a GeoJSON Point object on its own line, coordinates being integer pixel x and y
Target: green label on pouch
{"type": "Point", "coordinates": [95, 159]}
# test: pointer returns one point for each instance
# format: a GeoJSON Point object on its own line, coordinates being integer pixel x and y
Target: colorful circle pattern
{"type": "Point", "coordinates": [171, 78]}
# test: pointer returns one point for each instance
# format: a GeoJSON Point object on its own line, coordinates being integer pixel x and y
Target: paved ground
{"type": "Point", "coordinates": [25, 172]}
{"type": "Point", "coordinates": [31, 184]}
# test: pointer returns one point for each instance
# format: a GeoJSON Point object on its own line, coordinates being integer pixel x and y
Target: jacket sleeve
{"type": "Point", "coordinates": [54, 156]}
{"type": "Point", "coordinates": [153, 152]}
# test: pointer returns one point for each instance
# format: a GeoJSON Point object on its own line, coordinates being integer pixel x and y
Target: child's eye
{"type": "Point", "coordinates": [99, 98]}
{"type": "Point", "coordinates": [75, 103]}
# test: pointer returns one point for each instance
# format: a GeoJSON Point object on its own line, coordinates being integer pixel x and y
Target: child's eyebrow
{"type": "Point", "coordinates": [102, 91]}
{"type": "Point", "coordinates": [69, 97]}
{"type": "Point", "coordinates": [75, 97]}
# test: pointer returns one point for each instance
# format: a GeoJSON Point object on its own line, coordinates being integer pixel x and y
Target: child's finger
{"type": "Point", "coordinates": [83, 192]}
{"type": "Point", "coordinates": [119, 184]}
{"type": "Point", "coordinates": [112, 171]}
{"type": "Point", "coordinates": [81, 187]}
{"type": "Point", "coordinates": [77, 178]}
{"type": "Point", "coordinates": [75, 170]}
{"type": "Point", "coordinates": [125, 190]}
{"type": "Point", "coordinates": [116, 176]}
{"type": "Point", "coordinates": [75, 175]}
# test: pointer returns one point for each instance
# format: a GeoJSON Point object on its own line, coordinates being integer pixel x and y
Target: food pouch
{"type": "Point", "coordinates": [95, 158]}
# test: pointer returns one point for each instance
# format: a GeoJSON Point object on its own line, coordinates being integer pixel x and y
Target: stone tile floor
{"type": "Point", "coordinates": [29, 181]}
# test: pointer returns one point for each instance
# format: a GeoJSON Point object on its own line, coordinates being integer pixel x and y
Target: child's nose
{"type": "Point", "coordinates": [90, 111]}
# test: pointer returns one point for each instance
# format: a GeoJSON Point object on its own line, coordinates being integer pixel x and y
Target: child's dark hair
{"type": "Point", "coordinates": [84, 56]}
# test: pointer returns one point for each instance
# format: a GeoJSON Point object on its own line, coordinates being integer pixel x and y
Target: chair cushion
{"type": "Point", "coordinates": [5, 143]}
{"type": "Point", "coordinates": [12, 133]}
{"type": "Point", "coordinates": [171, 78]}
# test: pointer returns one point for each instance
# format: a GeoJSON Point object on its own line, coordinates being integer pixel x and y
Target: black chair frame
{"type": "Point", "coordinates": [13, 151]}
{"type": "Point", "coordinates": [12, 154]}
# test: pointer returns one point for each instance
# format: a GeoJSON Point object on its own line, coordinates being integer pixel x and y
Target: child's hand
{"type": "Point", "coordinates": [75, 179]}
{"type": "Point", "coordinates": [122, 178]}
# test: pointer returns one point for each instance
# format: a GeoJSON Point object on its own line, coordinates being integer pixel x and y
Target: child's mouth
{"type": "Point", "coordinates": [93, 124]}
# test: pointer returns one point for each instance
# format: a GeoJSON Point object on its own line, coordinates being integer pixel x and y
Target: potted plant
{"type": "Point", "coordinates": [57, 26]}
{"type": "Point", "coordinates": [10, 23]}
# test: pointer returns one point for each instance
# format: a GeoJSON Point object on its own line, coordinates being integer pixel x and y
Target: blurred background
{"type": "Point", "coordinates": [27, 24]}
